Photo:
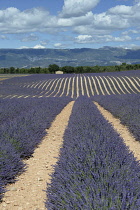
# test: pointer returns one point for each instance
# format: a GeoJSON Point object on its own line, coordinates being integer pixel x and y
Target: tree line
{"type": "Point", "coordinates": [52, 68]}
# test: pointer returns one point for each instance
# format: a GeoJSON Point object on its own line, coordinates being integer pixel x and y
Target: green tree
{"type": "Point", "coordinates": [88, 69]}
{"type": "Point", "coordinates": [68, 69]}
{"type": "Point", "coordinates": [12, 70]}
{"type": "Point", "coordinates": [53, 68]}
{"type": "Point", "coordinates": [79, 69]}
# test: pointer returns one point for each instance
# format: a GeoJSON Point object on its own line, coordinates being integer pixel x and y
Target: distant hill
{"type": "Point", "coordinates": [67, 57]}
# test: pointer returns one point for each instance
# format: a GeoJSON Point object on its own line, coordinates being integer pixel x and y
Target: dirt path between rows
{"type": "Point", "coordinates": [128, 138]}
{"type": "Point", "coordinates": [27, 193]}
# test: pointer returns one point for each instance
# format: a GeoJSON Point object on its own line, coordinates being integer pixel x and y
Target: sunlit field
{"type": "Point", "coordinates": [72, 85]}
{"type": "Point", "coordinates": [95, 170]}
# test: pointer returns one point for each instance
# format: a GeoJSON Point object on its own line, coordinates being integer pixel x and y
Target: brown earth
{"type": "Point", "coordinates": [29, 192]}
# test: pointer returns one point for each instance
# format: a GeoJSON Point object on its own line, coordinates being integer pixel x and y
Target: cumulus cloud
{"type": "Point", "coordinates": [35, 47]}
{"type": "Point", "coordinates": [75, 8]}
{"type": "Point", "coordinates": [117, 18]}
{"type": "Point", "coordinates": [131, 31]}
{"type": "Point", "coordinates": [121, 9]}
{"type": "Point", "coordinates": [76, 21]}
{"type": "Point", "coordinates": [108, 21]}
{"type": "Point", "coordinates": [76, 17]}
{"type": "Point", "coordinates": [90, 29]}
{"type": "Point", "coordinates": [122, 39]}
{"type": "Point", "coordinates": [82, 39]}
{"type": "Point", "coordinates": [12, 20]}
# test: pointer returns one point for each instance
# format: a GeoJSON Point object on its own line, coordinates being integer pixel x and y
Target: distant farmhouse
{"type": "Point", "coordinates": [59, 72]}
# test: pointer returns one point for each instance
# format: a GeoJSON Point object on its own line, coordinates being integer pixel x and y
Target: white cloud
{"type": "Point", "coordinates": [121, 9]}
{"type": "Point", "coordinates": [115, 19]}
{"type": "Point", "coordinates": [76, 21]}
{"type": "Point", "coordinates": [39, 46]}
{"type": "Point", "coordinates": [122, 39]}
{"type": "Point", "coordinates": [120, 17]}
{"type": "Point", "coordinates": [130, 32]}
{"type": "Point", "coordinates": [130, 46]}
{"type": "Point", "coordinates": [35, 47]}
{"type": "Point", "coordinates": [82, 39]}
{"type": "Point", "coordinates": [30, 38]}
{"type": "Point", "coordinates": [14, 21]}
{"type": "Point", "coordinates": [23, 47]}
{"type": "Point", "coordinates": [59, 45]}
{"type": "Point", "coordinates": [77, 17]}
{"type": "Point", "coordinates": [75, 8]}
{"type": "Point", "coordinates": [110, 22]}
{"type": "Point", "coordinates": [90, 29]}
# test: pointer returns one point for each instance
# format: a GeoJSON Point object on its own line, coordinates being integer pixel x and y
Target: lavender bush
{"type": "Point", "coordinates": [126, 108]}
{"type": "Point", "coordinates": [26, 129]}
{"type": "Point", "coordinates": [23, 123]}
{"type": "Point", "coordinates": [95, 169]}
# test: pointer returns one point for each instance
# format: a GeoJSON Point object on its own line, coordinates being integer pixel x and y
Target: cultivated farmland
{"type": "Point", "coordinates": [95, 169]}
{"type": "Point", "coordinates": [72, 85]}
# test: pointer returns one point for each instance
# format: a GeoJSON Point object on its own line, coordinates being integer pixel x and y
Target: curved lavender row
{"type": "Point", "coordinates": [15, 86]}
{"type": "Point", "coordinates": [126, 108]}
{"type": "Point", "coordinates": [20, 134]}
{"type": "Point", "coordinates": [95, 170]}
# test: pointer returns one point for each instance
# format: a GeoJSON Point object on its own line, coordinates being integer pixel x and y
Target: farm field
{"type": "Point", "coordinates": [72, 85]}
{"type": "Point", "coordinates": [9, 76]}
{"type": "Point", "coordinates": [95, 169]}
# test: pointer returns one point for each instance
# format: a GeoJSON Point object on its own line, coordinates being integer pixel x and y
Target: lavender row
{"type": "Point", "coordinates": [72, 85]}
{"type": "Point", "coordinates": [22, 132]}
{"type": "Point", "coordinates": [15, 86]}
{"type": "Point", "coordinates": [126, 108]}
{"type": "Point", "coordinates": [134, 73]}
{"type": "Point", "coordinates": [11, 108]}
{"type": "Point", "coordinates": [95, 169]}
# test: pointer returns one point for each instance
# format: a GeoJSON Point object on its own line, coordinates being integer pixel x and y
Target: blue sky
{"type": "Point", "coordinates": [69, 23]}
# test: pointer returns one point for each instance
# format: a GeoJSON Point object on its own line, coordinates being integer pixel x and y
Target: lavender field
{"type": "Point", "coordinates": [95, 169]}
{"type": "Point", "coordinates": [72, 85]}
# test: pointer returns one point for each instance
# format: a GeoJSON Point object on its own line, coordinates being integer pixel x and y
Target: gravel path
{"type": "Point", "coordinates": [27, 193]}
